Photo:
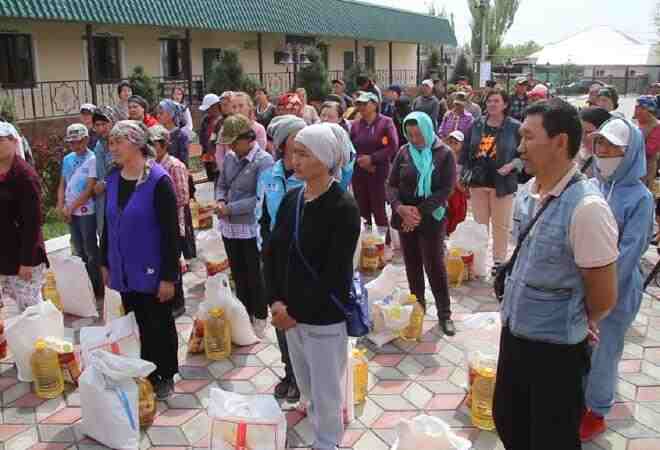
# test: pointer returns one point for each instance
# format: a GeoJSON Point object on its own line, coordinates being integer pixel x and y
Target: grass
{"type": "Point", "coordinates": [54, 226]}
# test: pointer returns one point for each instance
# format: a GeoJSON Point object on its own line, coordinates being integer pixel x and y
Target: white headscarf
{"type": "Point", "coordinates": [329, 143]}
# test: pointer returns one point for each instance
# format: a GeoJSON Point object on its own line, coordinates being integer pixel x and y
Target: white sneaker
{"type": "Point", "coordinates": [260, 326]}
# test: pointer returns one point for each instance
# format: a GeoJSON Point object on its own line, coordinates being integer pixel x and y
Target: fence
{"type": "Point", "coordinates": [51, 99]}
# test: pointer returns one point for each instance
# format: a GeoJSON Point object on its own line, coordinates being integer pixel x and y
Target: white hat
{"type": "Point", "coordinates": [7, 129]}
{"type": "Point", "coordinates": [616, 131]}
{"type": "Point", "coordinates": [87, 107]}
{"type": "Point", "coordinates": [428, 83]}
{"type": "Point", "coordinates": [209, 100]}
{"type": "Point", "coordinates": [458, 135]}
{"type": "Point", "coordinates": [76, 132]}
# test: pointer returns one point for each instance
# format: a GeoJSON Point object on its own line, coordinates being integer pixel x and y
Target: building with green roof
{"type": "Point", "coordinates": [62, 53]}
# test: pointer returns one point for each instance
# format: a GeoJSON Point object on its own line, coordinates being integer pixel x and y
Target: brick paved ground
{"type": "Point", "coordinates": [405, 379]}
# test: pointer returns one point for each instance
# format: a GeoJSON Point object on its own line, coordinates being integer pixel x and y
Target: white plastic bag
{"type": "Point", "coordinates": [427, 433]}
{"type": "Point", "coordinates": [241, 421]}
{"type": "Point", "coordinates": [74, 287]}
{"type": "Point", "coordinates": [219, 295]}
{"type": "Point", "coordinates": [396, 316]}
{"type": "Point", "coordinates": [109, 399]}
{"type": "Point", "coordinates": [38, 321]}
{"type": "Point", "coordinates": [121, 337]}
{"type": "Point", "coordinates": [112, 306]}
{"type": "Point", "coordinates": [385, 284]}
{"type": "Point", "coordinates": [470, 235]}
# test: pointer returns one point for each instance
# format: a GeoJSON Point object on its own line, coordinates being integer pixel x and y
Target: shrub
{"type": "Point", "coordinates": [227, 74]}
{"type": "Point", "coordinates": [48, 164]}
{"type": "Point", "coordinates": [144, 86]}
{"type": "Point", "coordinates": [314, 77]}
{"type": "Point", "coordinates": [350, 76]}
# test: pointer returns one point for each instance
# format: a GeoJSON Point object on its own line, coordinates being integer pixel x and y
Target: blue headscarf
{"type": "Point", "coordinates": [422, 156]}
{"type": "Point", "coordinates": [176, 110]}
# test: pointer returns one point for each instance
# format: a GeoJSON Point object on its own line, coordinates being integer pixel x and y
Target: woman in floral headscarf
{"type": "Point", "coordinates": [171, 116]}
{"type": "Point", "coordinates": [139, 247]}
{"type": "Point", "coordinates": [290, 103]}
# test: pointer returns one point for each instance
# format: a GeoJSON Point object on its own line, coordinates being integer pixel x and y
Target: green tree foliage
{"type": "Point", "coordinates": [143, 85]}
{"type": "Point", "coordinates": [314, 76]}
{"type": "Point", "coordinates": [227, 74]}
{"type": "Point", "coordinates": [350, 76]}
{"type": "Point", "coordinates": [463, 68]}
{"type": "Point", "coordinates": [507, 52]}
{"type": "Point", "coordinates": [500, 15]}
{"type": "Point", "coordinates": [433, 67]}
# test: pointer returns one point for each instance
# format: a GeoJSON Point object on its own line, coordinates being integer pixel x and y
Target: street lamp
{"type": "Point", "coordinates": [483, 6]}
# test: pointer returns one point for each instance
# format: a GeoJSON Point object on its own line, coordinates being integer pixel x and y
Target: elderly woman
{"type": "Point", "coordinates": [23, 259]}
{"type": "Point", "coordinates": [274, 183]}
{"type": "Point", "coordinates": [376, 141]}
{"type": "Point", "coordinates": [490, 154]}
{"type": "Point", "coordinates": [332, 112]}
{"type": "Point", "coordinates": [290, 103]}
{"type": "Point", "coordinates": [139, 247]}
{"type": "Point", "coordinates": [137, 110]}
{"type": "Point", "coordinates": [265, 110]}
{"type": "Point", "coordinates": [301, 302]}
{"type": "Point", "coordinates": [124, 92]}
{"type": "Point", "coordinates": [236, 194]}
{"type": "Point", "coordinates": [422, 178]}
{"type": "Point", "coordinates": [310, 115]}
{"type": "Point", "coordinates": [179, 96]}
{"type": "Point", "coordinates": [160, 138]}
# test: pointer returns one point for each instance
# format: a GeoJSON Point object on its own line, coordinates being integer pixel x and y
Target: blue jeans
{"type": "Point", "coordinates": [602, 378]}
{"type": "Point", "coordinates": [83, 236]}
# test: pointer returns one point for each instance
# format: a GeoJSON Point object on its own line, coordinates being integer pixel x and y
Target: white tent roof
{"type": "Point", "coordinates": [598, 46]}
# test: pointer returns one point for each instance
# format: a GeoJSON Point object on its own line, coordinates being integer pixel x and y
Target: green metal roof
{"type": "Point", "coordinates": [340, 18]}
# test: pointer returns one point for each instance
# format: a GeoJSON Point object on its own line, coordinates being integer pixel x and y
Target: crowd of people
{"type": "Point", "coordinates": [293, 187]}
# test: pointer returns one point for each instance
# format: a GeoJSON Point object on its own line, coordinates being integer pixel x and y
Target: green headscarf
{"type": "Point", "coordinates": [423, 157]}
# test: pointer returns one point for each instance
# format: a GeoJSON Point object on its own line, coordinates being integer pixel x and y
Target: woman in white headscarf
{"type": "Point", "coordinates": [307, 270]}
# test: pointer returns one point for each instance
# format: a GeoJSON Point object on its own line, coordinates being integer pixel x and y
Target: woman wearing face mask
{"type": "Point", "coordinates": [619, 168]}
{"type": "Point", "coordinates": [273, 185]}
{"type": "Point", "coordinates": [329, 226]}
{"type": "Point", "coordinates": [592, 119]}
{"type": "Point", "coordinates": [422, 177]}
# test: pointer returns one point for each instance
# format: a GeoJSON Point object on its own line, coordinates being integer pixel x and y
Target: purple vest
{"type": "Point", "coordinates": [134, 235]}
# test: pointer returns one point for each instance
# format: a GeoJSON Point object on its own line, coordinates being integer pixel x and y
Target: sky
{"type": "Point", "coordinates": [537, 21]}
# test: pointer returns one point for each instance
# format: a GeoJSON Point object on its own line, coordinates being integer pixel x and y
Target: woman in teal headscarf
{"type": "Point", "coordinates": [422, 178]}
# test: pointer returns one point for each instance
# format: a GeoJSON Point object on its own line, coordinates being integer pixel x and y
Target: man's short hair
{"type": "Point", "coordinates": [558, 117]}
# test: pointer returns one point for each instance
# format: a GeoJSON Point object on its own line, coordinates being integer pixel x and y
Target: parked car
{"type": "Point", "coordinates": [579, 87]}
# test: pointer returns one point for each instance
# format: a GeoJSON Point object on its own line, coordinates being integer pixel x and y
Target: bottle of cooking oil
{"type": "Point", "coordinates": [147, 408]}
{"type": "Point", "coordinates": [360, 375]}
{"type": "Point", "coordinates": [194, 212]}
{"type": "Point", "coordinates": [46, 371]}
{"type": "Point", "coordinates": [455, 268]}
{"type": "Point", "coordinates": [49, 290]}
{"type": "Point", "coordinates": [217, 335]}
{"type": "Point", "coordinates": [414, 329]}
{"type": "Point", "coordinates": [483, 387]}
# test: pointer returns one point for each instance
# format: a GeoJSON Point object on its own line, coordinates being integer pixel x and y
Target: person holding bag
{"type": "Point", "coordinates": [422, 177]}
{"type": "Point", "coordinates": [490, 168]}
{"type": "Point", "coordinates": [312, 249]}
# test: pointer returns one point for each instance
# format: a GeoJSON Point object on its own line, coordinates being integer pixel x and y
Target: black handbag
{"type": "Point", "coordinates": [505, 269]}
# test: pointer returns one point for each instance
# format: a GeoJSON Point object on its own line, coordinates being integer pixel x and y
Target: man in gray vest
{"type": "Point", "coordinates": [563, 282]}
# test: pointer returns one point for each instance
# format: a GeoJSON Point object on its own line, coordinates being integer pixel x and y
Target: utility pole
{"type": "Point", "coordinates": [483, 5]}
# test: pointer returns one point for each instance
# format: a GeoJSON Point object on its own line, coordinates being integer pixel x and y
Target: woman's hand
{"type": "Point", "coordinates": [281, 318]}
{"type": "Point", "coordinates": [366, 163]}
{"type": "Point", "coordinates": [165, 291]}
{"type": "Point", "coordinates": [25, 273]}
{"type": "Point", "coordinates": [411, 217]}
{"type": "Point", "coordinates": [221, 210]}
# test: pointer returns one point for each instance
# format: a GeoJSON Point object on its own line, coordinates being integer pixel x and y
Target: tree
{"type": "Point", "coordinates": [463, 68]}
{"type": "Point", "coordinates": [499, 18]}
{"type": "Point", "coordinates": [507, 52]}
{"type": "Point", "coordinates": [314, 76]}
{"type": "Point", "coordinates": [227, 74]}
{"type": "Point", "coordinates": [350, 76]}
{"type": "Point", "coordinates": [433, 65]}
{"type": "Point", "coordinates": [143, 85]}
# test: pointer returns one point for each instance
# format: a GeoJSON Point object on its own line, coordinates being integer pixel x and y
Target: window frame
{"type": "Point", "coordinates": [165, 58]}
{"type": "Point", "coordinates": [370, 54]}
{"type": "Point", "coordinates": [12, 40]}
{"type": "Point", "coordinates": [117, 69]}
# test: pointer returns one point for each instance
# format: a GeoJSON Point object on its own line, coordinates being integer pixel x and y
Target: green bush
{"type": "Point", "coordinates": [143, 85]}
{"type": "Point", "coordinates": [7, 109]}
{"type": "Point", "coordinates": [433, 69]}
{"type": "Point", "coordinates": [227, 74]}
{"type": "Point", "coordinates": [48, 164]}
{"type": "Point", "coordinates": [350, 76]}
{"type": "Point", "coordinates": [314, 77]}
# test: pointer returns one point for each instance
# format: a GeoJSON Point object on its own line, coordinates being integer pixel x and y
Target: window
{"type": "Point", "coordinates": [348, 60]}
{"type": "Point", "coordinates": [17, 66]}
{"type": "Point", "coordinates": [370, 58]}
{"type": "Point", "coordinates": [107, 64]}
{"type": "Point", "coordinates": [173, 58]}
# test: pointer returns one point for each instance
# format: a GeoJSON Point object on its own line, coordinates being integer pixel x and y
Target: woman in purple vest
{"type": "Point", "coordinates": [139, 247]}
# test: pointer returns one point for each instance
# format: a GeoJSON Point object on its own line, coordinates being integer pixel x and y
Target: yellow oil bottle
{"type": "Point", "coordinates": [194, 212]}
{"type": "Point", "coordinates": [217, 335]}
{"type": "Point", "coordinates": [360, 367]}
{"type": "Point", "coordinates": [46, 371]}
{"type": "Point", "coordinates": [49, 290]}
{"type": "Point", "coordinates": [147, 402]}
{"type": "Point", "coordinates": [483, 387]}
{"type": "Point", "coordinates": [414, 329]}
{"type": "Point", "coordinates": [455, 268]}
{"type": "Point", "coordinates": [370, 259]}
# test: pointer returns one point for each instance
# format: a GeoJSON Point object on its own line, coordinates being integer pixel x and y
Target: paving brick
{"type": "Point", "coordinates": [167, 436]}
{"type": "Point", "coordinates": [55, 433]}
{"type": "Point", "coordinates": [19, 416]}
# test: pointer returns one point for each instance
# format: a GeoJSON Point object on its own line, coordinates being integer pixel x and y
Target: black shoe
{"type": "Point", "coordinates": [448, 327]}
{"type": "Point", "coordinates": [178, 312]}
{"type": "Point", "coordinates": [493, 270]}
{"type": "Point", "coordinates": [164, 389]}
{"type": "Point", "coordinates": [282, 388]}
{"type": "Point", "coordinates": [293, 396]}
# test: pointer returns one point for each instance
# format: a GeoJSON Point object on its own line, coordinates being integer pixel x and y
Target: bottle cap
{"type": "Point", "coordinates": [216, 313]}
{"type": "Point", "coordinates": [40, 345]}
